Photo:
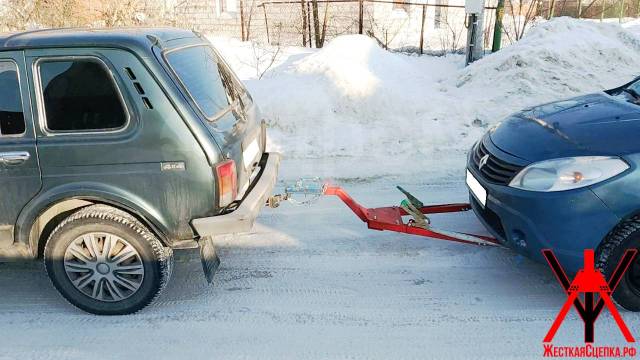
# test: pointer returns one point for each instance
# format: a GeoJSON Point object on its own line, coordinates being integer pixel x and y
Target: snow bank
{"type": "Point", "coordinates": [357, 103]}
{"type": "Point", "coordinates": [353, 99]}
{"type": "Point", "coordinates": [556, 59]}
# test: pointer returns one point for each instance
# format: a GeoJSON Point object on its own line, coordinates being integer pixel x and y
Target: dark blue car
{"type": "Point", "coordinates": [564, 176]}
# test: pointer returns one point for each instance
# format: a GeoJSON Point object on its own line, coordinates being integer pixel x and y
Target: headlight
{"type": "Point", "coordinates": [568, 173]}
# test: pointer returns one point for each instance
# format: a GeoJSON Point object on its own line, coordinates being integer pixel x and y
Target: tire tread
{"type": "Point", "coordinates": [104, 212]}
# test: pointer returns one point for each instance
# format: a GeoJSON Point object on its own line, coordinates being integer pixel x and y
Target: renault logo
{"type": "Point", "coordinates": [483, 161]}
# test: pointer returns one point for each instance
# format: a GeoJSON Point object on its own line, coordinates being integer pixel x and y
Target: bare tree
{"type": "Point", "coordinates": [246, 18]}
{"type": "Point", "coordinates": [522, 13]}
{"type": "Point", "coordinates": [18, 14]}
{"type": "Point", "coordinates": [385, 33]}
{"type": "Point", "coordinates": [120, 12]}
{"type": "Point", "coordinates": [265, 55]}
{"type": "Point", "coordinates": [450, 35]}
{"type": "Point", "coordinates": [22, 14]}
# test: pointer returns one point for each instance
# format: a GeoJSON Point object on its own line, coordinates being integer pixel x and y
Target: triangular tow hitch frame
{"type": "Point", "coordinates": [391, 218]}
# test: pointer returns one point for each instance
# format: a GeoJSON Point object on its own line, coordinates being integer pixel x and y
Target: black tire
{"type": "Point", "coordinates": [152, 260]}
{"type": "Point", "coordinates": [624, 236]}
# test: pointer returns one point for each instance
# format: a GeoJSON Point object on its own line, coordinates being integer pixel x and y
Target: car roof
{"type": "Point", "coordinates": [134, 37]}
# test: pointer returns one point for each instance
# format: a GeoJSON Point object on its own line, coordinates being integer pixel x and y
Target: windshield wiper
{"type": "Point", "coordinates": [633, 93]}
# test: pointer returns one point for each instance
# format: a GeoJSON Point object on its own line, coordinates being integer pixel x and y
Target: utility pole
{"type": "Point", "coordinates": [497, 27]}
{"type": "Point", "coordinates": [474, 10]}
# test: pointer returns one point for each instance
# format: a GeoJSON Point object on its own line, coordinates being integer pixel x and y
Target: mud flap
{"type": "Point", "coordinates": [209, 258]}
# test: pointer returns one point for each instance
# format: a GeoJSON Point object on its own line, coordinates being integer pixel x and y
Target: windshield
{"type": "Point", "coordinates": [631, 93]}
{"type": "Point", "coordinates": [205, 78]}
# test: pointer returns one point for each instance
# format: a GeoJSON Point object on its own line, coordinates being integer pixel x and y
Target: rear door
{"type": "Point", "coordinates": [19, 171]}
{"type": "Point", "coordinates": [223, 103]}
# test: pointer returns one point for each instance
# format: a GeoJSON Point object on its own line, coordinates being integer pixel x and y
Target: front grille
{"type": "Point", "coordinates": [494, 170]}
{"type": "Point", "coordinates": [490, 218]}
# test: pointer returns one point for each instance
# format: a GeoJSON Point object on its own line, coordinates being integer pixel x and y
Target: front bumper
{"type": "Point", "coordinates": [528, 222]}
{"type": "Point", "coordinates": [242, 219]}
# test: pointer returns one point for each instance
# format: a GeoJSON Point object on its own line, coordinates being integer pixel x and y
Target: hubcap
{"type": "Point", "coordinates": [104, 266]}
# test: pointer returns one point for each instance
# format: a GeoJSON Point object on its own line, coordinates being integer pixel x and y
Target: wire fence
{"type": "Point", "coordinates": [431, 27]}
{"type": "Point", "coordinates": [408, 26]}
{"type": "Point", "coordinates": [594, 9]}
{"type": "Point", "coordinates": [421, 26]}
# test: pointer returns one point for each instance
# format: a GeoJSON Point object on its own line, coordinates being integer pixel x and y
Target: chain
{"type": "Point", "coordinates": [310, 189]}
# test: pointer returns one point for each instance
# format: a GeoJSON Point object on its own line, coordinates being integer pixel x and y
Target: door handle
{"type": "Point", "coordinates": [14, 157]}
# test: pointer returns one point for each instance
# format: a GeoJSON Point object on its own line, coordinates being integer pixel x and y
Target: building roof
{"type": "Point", "coordinates": [121, 37]}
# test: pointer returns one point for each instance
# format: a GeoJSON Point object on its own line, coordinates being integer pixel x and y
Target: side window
{"type": "Point", "coordinates": [11, 113]}
{"type": "Point", "coordinates": [80, 95]}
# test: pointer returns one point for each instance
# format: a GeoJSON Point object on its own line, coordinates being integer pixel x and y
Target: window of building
{"type": "Point", "coordinates": [11, 113]}
{"type": "Point", "coordinates": [80, 95]}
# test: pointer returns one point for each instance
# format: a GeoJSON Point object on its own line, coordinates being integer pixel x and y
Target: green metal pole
{"type": "Point", "coordinates": [497, 27]}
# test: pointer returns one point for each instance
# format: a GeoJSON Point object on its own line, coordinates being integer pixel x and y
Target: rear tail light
{"type": "Point", "coordinates": [227, 182]}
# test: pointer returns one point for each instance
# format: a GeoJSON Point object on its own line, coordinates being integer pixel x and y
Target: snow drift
{"type": "Point", "coordinates": [559, 58]}
{"type": "Point", "coordinates": [353, 100]}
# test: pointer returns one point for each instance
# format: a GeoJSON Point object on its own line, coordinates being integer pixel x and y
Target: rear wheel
{"type": "Point", "coordinates": [624, 236]}
{"type": "Point", "coordinates": [104, 261]}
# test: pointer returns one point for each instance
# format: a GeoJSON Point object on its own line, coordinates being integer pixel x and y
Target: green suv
{"type": "Point", "coordinates": [118, 147]}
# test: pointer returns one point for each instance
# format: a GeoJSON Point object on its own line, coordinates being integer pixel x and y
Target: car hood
{"type": "Point", "coordinates": [596, 124]}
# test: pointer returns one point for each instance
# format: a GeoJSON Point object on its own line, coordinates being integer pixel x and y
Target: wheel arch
{"type": "Point", "coordinates": [46, 206]}
{"type": "Point", "coordinates": [630, 216]}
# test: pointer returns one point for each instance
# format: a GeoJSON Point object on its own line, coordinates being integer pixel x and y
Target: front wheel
{"type": "Point", "coordinates": [625, 236]}
{"type": "Point", "coordinates": [104, 261]}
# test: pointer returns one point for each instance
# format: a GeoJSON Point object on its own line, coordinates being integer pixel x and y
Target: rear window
{"type": "Point", "coordinates": [11, 114]}
{"type": "Point", "coordinates": [206, 80]}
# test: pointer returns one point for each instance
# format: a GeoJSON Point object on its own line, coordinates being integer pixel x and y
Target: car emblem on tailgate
{"type": "Point", "coordinates": [483, 161]}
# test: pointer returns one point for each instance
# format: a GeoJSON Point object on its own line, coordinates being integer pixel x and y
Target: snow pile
{"type": "Point", "coordinates": [352, 101]}
{"type": "Point", "coordinates": [556, 59]}
{"type": "Point", "coordinates": [357, 67]}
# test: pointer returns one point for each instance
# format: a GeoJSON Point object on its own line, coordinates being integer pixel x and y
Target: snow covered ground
{"type": "Point", "coordinates": [312, 282]}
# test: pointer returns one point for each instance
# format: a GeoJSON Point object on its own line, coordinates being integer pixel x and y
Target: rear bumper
{"type": "Point", "coordinates": [242, 219]}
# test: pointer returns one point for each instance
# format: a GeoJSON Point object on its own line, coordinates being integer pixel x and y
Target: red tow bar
{"type": "Point", "coordinates": [390, 218]}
